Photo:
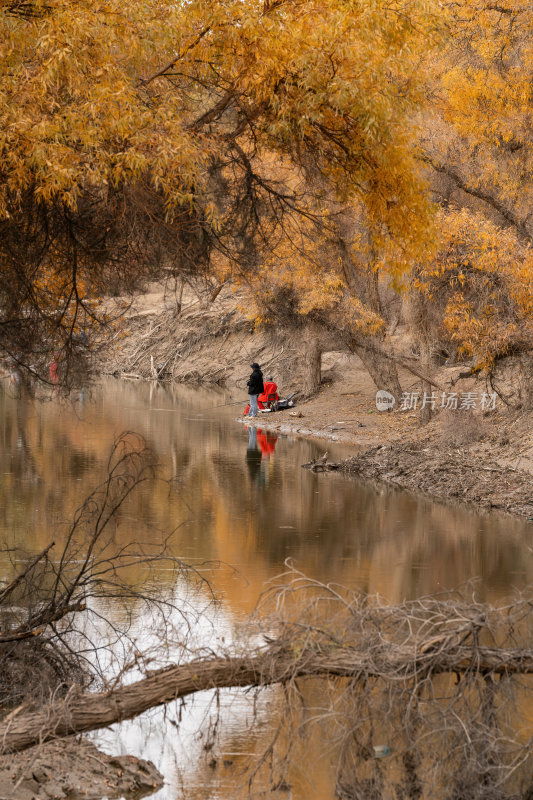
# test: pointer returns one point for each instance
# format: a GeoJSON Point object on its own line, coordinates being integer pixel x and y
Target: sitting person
{"type": "Point", "coordinates": [270, 393]}
{"type": "Point", "coordinates": [268, 396]}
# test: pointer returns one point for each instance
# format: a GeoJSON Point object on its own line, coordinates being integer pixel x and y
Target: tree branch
{"type": "Point", "coordinates": [22, 575]}
{"type": "Point", "coordinates": [181, 54]}
{"type": "Point", "coordinates": [83, 712]}
{"type": "Point", "coordinates": [481, 194]}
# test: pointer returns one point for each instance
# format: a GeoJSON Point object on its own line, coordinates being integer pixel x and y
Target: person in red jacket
{"type": "Point", "coordinates": [270, 393]}
{"type": "Point", "coordinates": [54, 367]}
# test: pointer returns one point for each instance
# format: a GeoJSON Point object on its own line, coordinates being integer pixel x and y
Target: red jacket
{"type": "Point", "coordinates": [270, 393]}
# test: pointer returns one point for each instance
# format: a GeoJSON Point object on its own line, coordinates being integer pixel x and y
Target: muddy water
{"type": "Point", "coordinates": [238, 505]}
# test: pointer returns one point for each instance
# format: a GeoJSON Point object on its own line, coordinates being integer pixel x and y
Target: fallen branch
{"type": "Point", "coordinates": [27, 630]}
{"type": "Point", "coordinates": [83, 712]}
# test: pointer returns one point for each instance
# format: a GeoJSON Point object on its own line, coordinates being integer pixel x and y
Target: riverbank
{"type": "Point", "coordinates": [484, 461]}
{"type": "Point", "coordinates": [74, 769]}
{"type": "Point", "coordinates": [479, 453]}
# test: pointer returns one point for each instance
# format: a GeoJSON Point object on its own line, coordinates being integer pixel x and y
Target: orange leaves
{"type": "Point", "coordinates": [483, 94]}
{"type": "Point", "coordinates": [71, 113]}
{"type": "Point", "coordinates": [88, 99]}
{"type": "Point", "coordinates": [333, 82]}
{"type": "Point", "coordinates": [65, 305]}
{"type": "Point", "coordinates": [302, 281]}
{"type": "Point", "coordinates": [482, 278]}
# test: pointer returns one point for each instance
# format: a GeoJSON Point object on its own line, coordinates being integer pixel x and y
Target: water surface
{"type": "Point", "coordinates": [238, 505]}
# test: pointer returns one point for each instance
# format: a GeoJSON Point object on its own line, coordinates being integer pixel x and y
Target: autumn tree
{"type": "Point", "coordinates": [476, 292]}
{"type": "Point", "coordinates": [323, 139]}
{"type": "Point", "coordinates": [97, 182]}
{"type": "Point", "coordinates": [315, 288]}
{"type": "Point", "coordinates": [116, 126]}
{"type": "Point", "coordinates": [478, 135]}
{"type": "Point", "coordinates": [475, 141]}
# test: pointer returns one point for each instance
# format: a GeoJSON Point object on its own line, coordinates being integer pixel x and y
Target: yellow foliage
{"type": "Point", "coordinates": [72, 110]}
{"type": "Point", "coordinates": [300, 281]}
{"type": "Point", "coordinates": [482, 277]}
{"type": "Point", "coordinates": [483, 94]}
{"type": "Point", "coordinates": [80, 100]}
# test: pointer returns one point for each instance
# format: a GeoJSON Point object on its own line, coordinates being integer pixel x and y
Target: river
{"type": "Point", "coordinates": [238, 505]}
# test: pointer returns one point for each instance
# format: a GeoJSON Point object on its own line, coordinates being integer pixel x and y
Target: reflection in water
{"type": "Point", "coordinates": [267, 442]}
{"type": "Point", "coordinates": [250, 513]}
{"type": "Point", "coordinates": [261, 445]}
{"type": "Point", "coordinates": [253, 456]}
{"type": "Point", "coordinates": [373, 538]}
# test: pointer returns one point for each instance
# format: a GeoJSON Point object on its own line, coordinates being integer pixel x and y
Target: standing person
{"type": "Point", "coordinates": [255, 388]}
{"type": "Point", "coordinates": [268, 397]}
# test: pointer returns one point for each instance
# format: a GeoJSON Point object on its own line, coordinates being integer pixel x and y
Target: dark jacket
{"type": "Point", "coordinates": [255, 384]}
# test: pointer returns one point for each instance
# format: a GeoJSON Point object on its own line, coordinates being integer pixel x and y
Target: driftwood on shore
{"type": "Point", "coordinates": [322, 464]}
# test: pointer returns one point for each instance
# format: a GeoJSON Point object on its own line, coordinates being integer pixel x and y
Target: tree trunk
{"type": "Point", "coordinates": [312, 362]}
{"type": "Point", "coordinates": [425, 387]}
{"type": "Point", "coordinates": [83, 712]}
{"type": "Point", "coordinates": [373, 289]}
{"type": "Point", "coordinates": [382, 370]}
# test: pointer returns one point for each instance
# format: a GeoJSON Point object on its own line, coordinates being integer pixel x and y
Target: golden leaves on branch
{"type": "Point", "coordinates": [483, 278]}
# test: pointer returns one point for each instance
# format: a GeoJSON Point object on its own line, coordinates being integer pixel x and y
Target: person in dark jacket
{"type": "Point", "coordinates": [267, 399]}
{"type": "Point", "coordinates": [255, 388]}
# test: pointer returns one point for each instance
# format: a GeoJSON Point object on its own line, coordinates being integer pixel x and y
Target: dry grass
{"type": "Point", "coordinates": [462, 427]}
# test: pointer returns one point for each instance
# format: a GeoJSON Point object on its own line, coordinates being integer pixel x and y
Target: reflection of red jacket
{"type": "Point", "coordinates": [266, 441]}
{"type": "Point", "coordinates": [54, 378]}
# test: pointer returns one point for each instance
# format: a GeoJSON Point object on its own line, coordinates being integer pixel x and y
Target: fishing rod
{"type": "Point", "coordinates": [239, 402]}
{"type": "Point", "coordinates": [235, 403]}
